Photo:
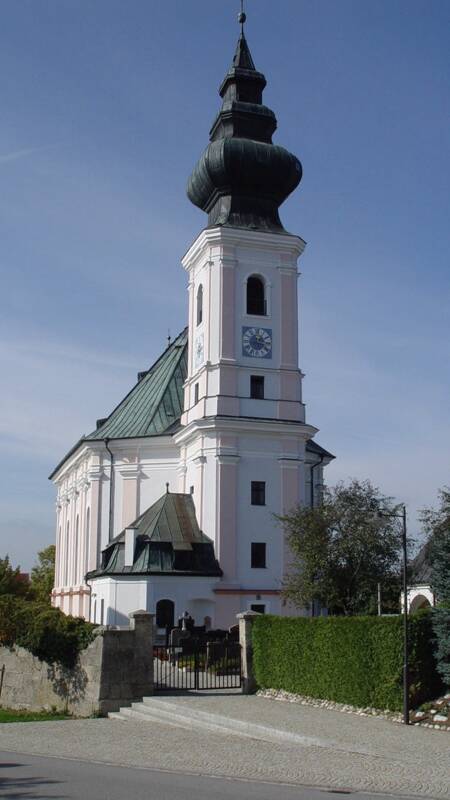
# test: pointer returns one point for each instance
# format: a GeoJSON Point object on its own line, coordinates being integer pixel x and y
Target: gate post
{"type": "Point", "coordinates": [142, 623]}
{"type": "Point", "coordinates": [246, 619]}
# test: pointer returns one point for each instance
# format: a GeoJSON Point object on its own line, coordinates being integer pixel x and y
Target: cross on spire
{"type": "Point", "coordinates": [242, 17]}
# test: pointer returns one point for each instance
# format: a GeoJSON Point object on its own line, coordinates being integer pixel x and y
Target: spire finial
{"type": "Point", "coordinates": [242, 16]}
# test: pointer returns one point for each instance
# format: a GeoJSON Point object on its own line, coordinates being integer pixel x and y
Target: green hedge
{"type": "Point", "coordinates": [44, 631]}
{"type": "Point", "coordinates": [355, 660]}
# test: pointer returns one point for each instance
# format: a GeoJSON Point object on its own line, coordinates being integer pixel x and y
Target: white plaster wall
{"type": "Point", "coordinates": [84, 483]}
{"type": "Point", "coordinates": [256, 455]}
{"type": "Point", "coordinates": [257, 523]}
{"type": "Point", "coordinates": [222, 260]}
{"type": "Point", "coordinates": [119, 598]}
{"type": "Point", "coordinates": [123, 595]}
{"type": "Point", "coordinates": [73, 542]}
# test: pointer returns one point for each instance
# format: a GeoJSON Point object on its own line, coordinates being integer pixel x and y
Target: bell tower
{"type": "Point", "coordinates": [244, 432]}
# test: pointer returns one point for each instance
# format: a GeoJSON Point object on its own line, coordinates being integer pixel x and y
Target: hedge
{"type": "Point", "coordinates": [355, 660]}
{"type": "Point", "coordinates": [45, 631]}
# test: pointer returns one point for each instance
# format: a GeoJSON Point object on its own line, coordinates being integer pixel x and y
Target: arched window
{"type": "Point", "coordinates": [66, 555]}
{"type": "Point", "coordinates": [199, 304]}
{"type": "Point", "coordinates": [76, 555]}
{"type": "Point", "coordinates": [256, 296]}
{"type": "Point", "coordinates": [165, 613]}
{"type": "Point", "coordinates": [58, 571]}
{"type": "Point", "coordinates": [86, 542]}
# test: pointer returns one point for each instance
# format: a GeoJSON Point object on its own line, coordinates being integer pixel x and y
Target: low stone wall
{"type": "Point", "coordinates": [116, 669]}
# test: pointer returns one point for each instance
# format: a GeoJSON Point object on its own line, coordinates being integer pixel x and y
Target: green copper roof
{"type": "Point", "coordinates": [155, 403]}
{"type": "Point", "coordinates": [168, 540]}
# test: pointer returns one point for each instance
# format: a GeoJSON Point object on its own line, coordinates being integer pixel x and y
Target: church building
{"type": "Point", "coordinates": [171, 503]}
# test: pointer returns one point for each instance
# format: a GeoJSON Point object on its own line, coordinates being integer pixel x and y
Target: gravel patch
{"type": "Point", "coordinates": [437, 717]}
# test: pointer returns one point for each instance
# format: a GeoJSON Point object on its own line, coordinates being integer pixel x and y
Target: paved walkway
{"type": "Point", "coordinates": [354, 752]}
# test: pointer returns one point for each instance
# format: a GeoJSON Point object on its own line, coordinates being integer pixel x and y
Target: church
{"type": "Point", "coordinates": [171, 503]}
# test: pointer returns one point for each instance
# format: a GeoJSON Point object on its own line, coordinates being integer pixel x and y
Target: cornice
{"type": "Point", "coordinates": [245, 425]}
{"type": "Point", "coordinates": [290, 461]}
{"type": "Point", "coordinates": [240, 237]}
{"type": "Point", "coordinates": [96, 473]}
{"type": "Point", "coordinates": [129, 471]}
{"type": "Point", "coordinates": [224, 458]}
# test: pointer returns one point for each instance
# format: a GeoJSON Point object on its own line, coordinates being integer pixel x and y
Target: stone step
{"type": "Point", "coordinates": [182, 715]}
{"type": "Point", "coordinates": [139, 711]}
{"type": "Point", "coordinates": [116, 715]}
{"type": "Point", "coordinates": [149, 714]}
{"type": "Point", "coordinates": [178, 716]}
{"type": "Point", "coordinates": [185, 715]}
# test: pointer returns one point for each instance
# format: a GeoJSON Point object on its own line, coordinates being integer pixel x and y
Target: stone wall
{"type": "Point", "coordinates": [116, 669]}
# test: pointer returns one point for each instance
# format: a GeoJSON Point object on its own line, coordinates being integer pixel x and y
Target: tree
{"type": "Point", "coordinates": [12, 581]}
{"type": "Point", "coordinates": [342, 549]}
{"type": "Point", "coordinates": [437, 526]}
{"type": "Point", "coordinates": [43, 574]}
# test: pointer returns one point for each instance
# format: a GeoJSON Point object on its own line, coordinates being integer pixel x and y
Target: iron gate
{"type": "Point", "coordinates": [197, 665]}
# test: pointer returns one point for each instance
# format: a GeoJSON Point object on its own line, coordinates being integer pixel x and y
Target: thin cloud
{"type": "Point", "coordinates": [18, 154]}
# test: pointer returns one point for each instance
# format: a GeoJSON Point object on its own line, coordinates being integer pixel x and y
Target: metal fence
{"type": "Point", "coordinates": [197, 665]}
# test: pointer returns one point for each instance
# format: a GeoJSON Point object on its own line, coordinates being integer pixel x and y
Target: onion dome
{"type": "Point", "coordinates": [242, 178]}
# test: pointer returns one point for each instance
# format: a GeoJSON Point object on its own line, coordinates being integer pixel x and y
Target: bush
{"type": "Point", "coordinates": [44, 631]}
{"type": "Point", "coordinates": [355, 660]}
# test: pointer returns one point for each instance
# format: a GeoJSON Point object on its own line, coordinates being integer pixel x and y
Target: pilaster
{"type": "Point", "coordinates": [130, 474]}
{"type": "Point", "coordinates": [95, 478]}
{"type": "Point", "coordinates": [226, 512]}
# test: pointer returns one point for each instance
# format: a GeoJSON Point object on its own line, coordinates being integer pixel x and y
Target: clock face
{"type": "Point", "coordinates": [198, 351]}
{"type": "Point", "coordinates": [257, 342]}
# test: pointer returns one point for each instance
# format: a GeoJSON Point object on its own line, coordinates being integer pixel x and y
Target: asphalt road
{"type": "Point", "coordinates": [29, 777]}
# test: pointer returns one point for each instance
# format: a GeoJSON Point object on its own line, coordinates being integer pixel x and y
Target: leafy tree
{"type": "Point", "coordinates": [43, 574]}
{"type": "Point", "coordinates": [11, 579]}
{"type": "Point", "coordinates": [342, 549]}
{"type": "Point", "coordinates": [437, 526]}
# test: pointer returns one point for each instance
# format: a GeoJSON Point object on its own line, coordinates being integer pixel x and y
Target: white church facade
{"type": "Point", "coordinates": [171, 504]}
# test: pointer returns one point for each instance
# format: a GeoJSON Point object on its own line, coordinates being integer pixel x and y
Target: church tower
{"type": "Point", "coordinates": [243, 436]}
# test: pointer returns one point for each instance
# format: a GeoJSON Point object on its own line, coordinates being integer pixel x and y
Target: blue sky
{"type": "Point", "coordinates": [106, 106]}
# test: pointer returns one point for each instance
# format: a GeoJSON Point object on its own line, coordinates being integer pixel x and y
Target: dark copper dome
{"type": "Point", "coordinates": [242, 178]}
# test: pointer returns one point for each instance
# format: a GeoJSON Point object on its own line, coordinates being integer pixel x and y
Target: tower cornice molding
{"type": "Point", "coordinates": [245, 425]}
{"type": "Point", "coordinates": [240, 237]}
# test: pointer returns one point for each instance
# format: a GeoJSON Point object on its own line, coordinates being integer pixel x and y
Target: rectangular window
{"type": "Point", "coordinates": [196, 394]}
{"type": "Point", "coordinates": [258, 555]}
{"type": "Point", "coordinates": [258, 607]}
{"type": "Point", "coordinates": [258, 493]}
{"type": "Point", "coordinates": [257, 387]}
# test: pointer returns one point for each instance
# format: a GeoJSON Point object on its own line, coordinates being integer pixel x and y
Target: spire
{"type": "Point", "coordinates": [242, 178]}
{"type": "Point", "coordinates": [243, 81]}
{"type": "Point", "coordinates": [242, 57]}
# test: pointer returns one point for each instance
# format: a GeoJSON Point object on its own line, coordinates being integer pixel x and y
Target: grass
{"type": "Point", "coordinates": [11, 715]}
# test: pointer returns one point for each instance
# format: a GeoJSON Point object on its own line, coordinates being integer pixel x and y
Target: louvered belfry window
{"type": "Point", "coordinates": [256, 296]}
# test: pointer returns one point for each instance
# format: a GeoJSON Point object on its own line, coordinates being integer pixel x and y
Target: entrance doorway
{"type": "Point", "coordinates": [165, 614]}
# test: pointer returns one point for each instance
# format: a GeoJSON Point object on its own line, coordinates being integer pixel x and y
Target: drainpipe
{"type": "Point", "coordinates": [313, 466]}
{"type": "Point", "coordinates": [111, 491]}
